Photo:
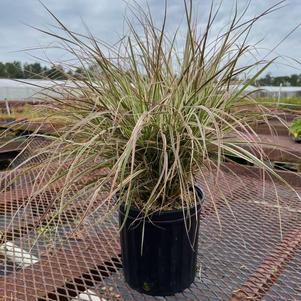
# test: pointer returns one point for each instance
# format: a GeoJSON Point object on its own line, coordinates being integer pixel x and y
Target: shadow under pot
{"type": "Point", "coordinates": [166, 262]}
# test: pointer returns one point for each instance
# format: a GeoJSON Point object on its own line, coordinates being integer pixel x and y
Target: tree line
{"type": "Point", "coordinates": [286, 81]}
{"type": "Point", "coordinates": [17, 70]}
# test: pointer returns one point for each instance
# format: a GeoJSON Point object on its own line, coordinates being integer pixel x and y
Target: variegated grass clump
{"type": "Point", "coordinates": [146, 116]}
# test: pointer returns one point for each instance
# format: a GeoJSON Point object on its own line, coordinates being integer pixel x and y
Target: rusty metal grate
{"type": "Point", "coordinates": [287, 286]}
{"type": "Point", "coordinates": [241, 257]}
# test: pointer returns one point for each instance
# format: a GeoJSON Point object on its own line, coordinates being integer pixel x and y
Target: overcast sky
{"type": "Point", "coordinates": [105, 20]}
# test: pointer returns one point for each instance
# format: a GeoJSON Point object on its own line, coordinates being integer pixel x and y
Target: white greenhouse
{"type": "Point", "coordinates": [280, 91]}
{"type": "Point", "coordinates": [25, 90]}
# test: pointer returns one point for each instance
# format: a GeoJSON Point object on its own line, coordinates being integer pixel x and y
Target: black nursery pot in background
{"type": "Point", "coordinates": [168, 261]}
{"type": "Point", "coordinates": [298, 139]}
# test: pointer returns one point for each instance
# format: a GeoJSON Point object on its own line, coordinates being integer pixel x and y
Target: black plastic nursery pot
{"type": "Point", "coordinates": [166, 262]}
{"type": "Point", "coordinates": [298, 139]}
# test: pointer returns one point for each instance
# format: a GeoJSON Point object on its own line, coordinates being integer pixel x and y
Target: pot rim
{"type": "Point", "coordinates": [159, 216]}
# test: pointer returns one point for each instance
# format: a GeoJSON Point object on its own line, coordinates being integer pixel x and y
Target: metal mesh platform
{"type": "Point", "coordinates": [246, 252]}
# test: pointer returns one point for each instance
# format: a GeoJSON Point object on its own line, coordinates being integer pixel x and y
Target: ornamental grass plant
{"type": "Point", "coordinates": [148, 114]}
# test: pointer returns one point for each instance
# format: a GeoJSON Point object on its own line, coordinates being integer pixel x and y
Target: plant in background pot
{"type": "Point", "coordinates": [295, 129]}
{"type": "Point", "coordinates": [143, 121]}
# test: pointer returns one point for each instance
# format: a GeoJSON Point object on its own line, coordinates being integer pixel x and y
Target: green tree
{"type": "Point", "coordinates": [56, 72]}
{"type": "Point", "coordinates": [14, 70]}
{"type": "Point", "coordinates": [3, 73]}
{"type": "Point", "coordinates": [34, 70]}
{"type": "Point", "coordinates": [268, 80]}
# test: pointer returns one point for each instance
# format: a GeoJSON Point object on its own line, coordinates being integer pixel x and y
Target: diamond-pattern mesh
{"type": "Point", "coordinates": [287, 286]}
{"type": "Point", "coordinates": [246, 252]}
